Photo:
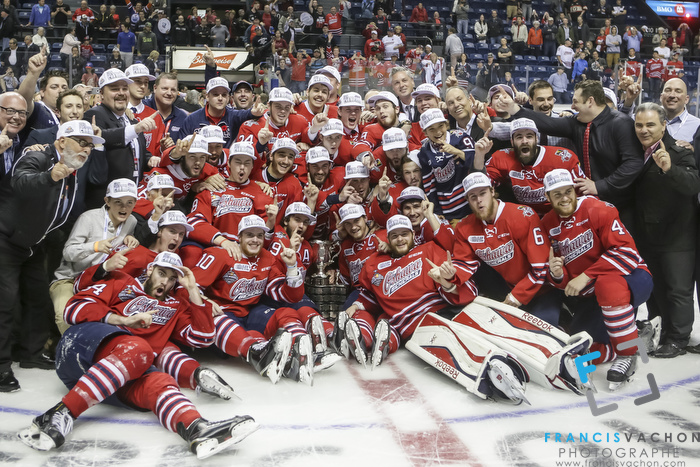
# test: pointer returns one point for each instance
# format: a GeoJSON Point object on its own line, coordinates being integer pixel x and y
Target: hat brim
{"type": "Point", "coordinates": [558, 185]}
{"type": "Point", "coordinates": [242, 83]}
{"type": "Point", "coordinates": [263, 227]}
{"type": "Point", "coordinates": [433, 122]}
{"type": "Point", "coordinates": [150, 77]}
{"type": "Point", "coordinates": [128, 81]}
{"type": "Point", "coordinates": [476, 185]}
{"type": "Point", "coordinates": [187, 226]}
{"type": "Point", "coordinates": [352, 216]}
{"type": "Point", "coordinates": [328, 85]}
{"type": "Point", "coordinates": [175, 189]}
{"type": "Point", "coordinates": [415, 94]}
{"type": "Point", "coordinates": [121, 194]}
{"type": "Point", "coordinates": [282, 99]}
{"type": "Point", "coordinates": [216, 140]}
{"type": "Point", "coordinates": [401, 199]}
{"type": "Point", "coordinates": [332, 132]}
{"type": "Point", "coordinates": [396, 145]}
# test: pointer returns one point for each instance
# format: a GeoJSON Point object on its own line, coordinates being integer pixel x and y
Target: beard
{"type": "Point", "coordinates": [527, 158]}
{"type": "Point", "coordinates": [397, 252]}
{"type": "Point", "coordinates": [488, 214]}
{"type": "Point", "coordinates": [157, 292]}
{"type": "Point", "coordinates": [72, 159]}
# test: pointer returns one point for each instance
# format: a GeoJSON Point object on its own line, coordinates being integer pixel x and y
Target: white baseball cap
{"type": "Point", "coordinates": [122, 187]}
{"type": "Point", "coordinates": [213, 134]}
{"type": "Point", "coordinates": [394, 138]}
{"type": "Point", "coordinates": [475, 180]}
{"type": "Point", "coordinates": [138, 70]}
{"type": "Point", "coordinates": [351, 99]}
{"type": "Point", "coordinates": [174, 217]}
{"type": "Point", "coordinates": [112, 76]}
{"type": "Point", "coordinates": [524, 124]}
{"type": "Point", "coordinates": [431, 117]}
{"type": "Point", "coordinates": [610, 94]}
{"type": "Point", "coordinates": [317, 154]}
{"type": "Point", "coordinates": [356, 169]}
{"type": "Point", "coordinates": [199, 145]}
{"type": "Point", "coordinates": [284, 143]}
{"type": "Point", "coordinates": [159, 181]}
{"type": "Point", "coordinates": [426, 89]}
{"type": "Point", "coordinates": [244, 148]}
{"type": "Point", "coordinates": [252, 222]}
{"type": "Point", "coordinates": [217, 82]}
{"type": "Point", "coordinates": [329, 71]}
{"type": "Point", "coordinates": [78, 128]}
{"type": "Point", "coordinates": [557, 178]}
{"type": "Point", "coordinates": [299, 208]}
{"type": "Point", "coordinates": [384, 96]}
{"type": "Point", "coordinates": [333, 127]}
{"type": "Point", "coordinates": [170, 260]}
{"type": "Point", "coordinates": [411, 192]}
{"type": "Point", "coordinates": [320, 79]}
{"type": "Point", "coordinates": [351, 211]}
{"type": "Point", "coordinates": [281, 95]}
{"type": "Point", "coordinates": [398, 221]}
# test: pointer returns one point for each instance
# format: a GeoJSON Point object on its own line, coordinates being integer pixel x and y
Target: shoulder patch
{"type": "Point", "coordinates": [526, 210]}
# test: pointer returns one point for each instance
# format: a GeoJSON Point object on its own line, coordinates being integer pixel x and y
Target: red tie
{"type": "Point", "coordinates": [586, 160]}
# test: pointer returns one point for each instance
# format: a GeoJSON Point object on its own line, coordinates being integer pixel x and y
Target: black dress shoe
{"type": "Point", "coordinates": [42, 361]}
{"type": "Point", "coordinates": [669, 350]}
{"type": "Point", "coordinates": [8, 382]}
{"type": "Point", "coordinates": [693, 348]}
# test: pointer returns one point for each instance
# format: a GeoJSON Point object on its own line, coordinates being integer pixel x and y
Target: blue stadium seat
{"type": "Point", "coordinates": [28, 6]}
{"type": "Point", "coordinates": [469, 47]}
{"type": "Point", "coordinates": [99, 48]}
{"type": "Point", "coordinates": [469, 37]}
{"type": "Point", "coordinates": [530, 59]}
{"type": "Point", "coordinates": [56, 46]}
{"type": "Point", "coordinates": [482, 47]}
{"type": "Point", "coordinates": [519, 59]}
{"type": "Point", "coordinates": [476, 57]}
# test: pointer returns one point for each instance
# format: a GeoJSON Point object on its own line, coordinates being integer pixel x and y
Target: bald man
{"type": "Point", "coordinates": [13, 118]}
{"type": "Point", "coordinates": [679, 123]}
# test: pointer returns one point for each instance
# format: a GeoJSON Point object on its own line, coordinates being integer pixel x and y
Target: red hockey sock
{"type": "Point", "coordinates": [232, 338]}
{"type": "Point", "coordinates": [306, 313]}
{"type": "Point", "coordinates": [286, 318]}
{"type": "Point", "coordinates": [178, 365]}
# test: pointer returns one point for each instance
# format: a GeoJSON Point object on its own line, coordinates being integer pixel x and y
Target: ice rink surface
{"type": "Point", "coordinates": [401, 414]}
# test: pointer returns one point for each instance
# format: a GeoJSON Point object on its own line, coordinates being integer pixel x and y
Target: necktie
{"type": "Point", "coordinates": [409, 111]}
{"type": "Point", "coordinates": [586, 159]}
{"type": "Point", "coordinates": [123, 122]}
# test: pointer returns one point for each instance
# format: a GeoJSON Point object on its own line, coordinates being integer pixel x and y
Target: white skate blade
{"type": "Point", "coordinates": [656, 326]}
{"type": "Point", "coordinates": [352, 333]}
{"type": "Point", "coordinates": [318, 330]}
{"type": "Point", "coordinates": [36, 439]}
{"type": "Point", "coordinates": [306, 353]}
{"type": "Point", "coordinates": [241, 431]}
{"type": "Point", "coordinates": [615, 385]}
{"type": "Point", "coordinates": [570, 366]}
{"type": "Point", "coordinates": [504, 380]}
{"type": "Point", "coordinates": [377, 355]}
{"type": "Point", "coordinates": [323, 362]}
{"type": "Point", "coordinates": [275, 369]}
{"type": "Point", "coordinates": [226, 393]}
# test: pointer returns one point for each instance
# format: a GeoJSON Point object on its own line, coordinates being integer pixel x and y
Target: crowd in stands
{"type": "Point", "coordinates": [114, 190]}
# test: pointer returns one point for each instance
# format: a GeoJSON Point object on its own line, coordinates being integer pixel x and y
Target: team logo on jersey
{"type": "Point", "coordinates": [563, 154]}
{"type": "Point", "coordinates": [444, 174]}
{"type": "Point", "coordinates": [490, 233]}
{"type": "Point", "coordinates": [148, 137]}
{"type": "Point", "coordinates": [232, 205]}
{"type": "Point", "coordinates": [526, 195]}
{"type": "Point", "coordinates": [144, 304]}
{"type": "Point", "coordinates": [571, 249]}
{"type": "Point", "coordinates": [227, 131]}
{"type": "Point", "coordinates": [516, 175]}
{"type": "Point", "coordinates": [384, 265]}
{"type": "Point", "coordinates": [476, 239]}
{"type": "Point", "coordinates": [230, 277]}
{"type": "Point", "coordinates": [280, 234]}
{"type": "Point", "coordinates": [241, 267]}
{"type": "Point", "coordinates": [127, 294]}
{"type": "Point", "coordinates": [355, 268]}
{"type": "Point", "coordinates": [555, 231]}
{"type": "Point", "coordinates": [569, 223]}
{"type": "Point", "coordinates": [247, 288]}
{"type": "Point", "coordinates": [527, 210]}
{"type": "Point", "coordinates": [498, 256]}
{"type": "Point", "coordinates": [377, 279]}
{"type": "Point", "coordinates": [401, 276]}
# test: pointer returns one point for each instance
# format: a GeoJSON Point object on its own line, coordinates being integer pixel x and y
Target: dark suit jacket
{"type": "Point", "coordinates": [19, 66]}
{"type": "Point", "coordinates": [93, 172]}
{"type": "Point", "coordinates": [665, 211]}
{"type": "Point", "coordinates": [120, 161]}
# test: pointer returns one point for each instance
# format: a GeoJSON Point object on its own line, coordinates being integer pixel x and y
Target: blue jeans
{"type": "Point", "coordinates": [462, 26]}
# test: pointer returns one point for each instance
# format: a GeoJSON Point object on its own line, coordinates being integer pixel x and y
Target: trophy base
{"type": "Point", "coordinates": [320, 279]}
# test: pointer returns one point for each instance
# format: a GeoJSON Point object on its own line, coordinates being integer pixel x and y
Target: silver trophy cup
{"type": "Point", "coordinates": [323, 258]}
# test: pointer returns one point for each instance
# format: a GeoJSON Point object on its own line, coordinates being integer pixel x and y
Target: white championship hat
{"type": "Point", "coordinates": [475, 180]}
{"type": "Point", "coordinates": [138, 70]}
{"type": "Point", "coordinates": [356, 169]}
{"type": "Point", "coordinates": [213, 134]}
{"type": "Point", "coordinates": [317, 154]}
{"type": "Point", "coordinates": [431, 117]}
{"type": "Point", "coordinates": [333, 127]}
{"type": "Point", "coordinates": [329, 71]}
{"type": "Point", "coordinates": [299, 208]}
{"type": "Point", "coordinates": [217, 82]}
{"type": "Point", "coordinates": [351, 99]}
{"type": "Point", "coordinates": [167, 259]}
{"type": "Point", "coordinates": [244, 148]}
{"type": "Point", "coordinates": [122, 187]}
{"type": "Point", "coordinates": [411, 192]}
{"type": "Point", "coordinates": [524, 124]}
{"type": "Point", "coordinates": [351, 211]}
{"type": "Point", "coordinates": [557, 178]}
{"type": "Point", "coordinates": [426, 89]}
{"type": "Point", "coordinates": [112, 76]}
{"type": "Point", "coordinates": [384, 96]}
{"type": "Point", "coordinates": [284, 143]}
{"type": "Point", "coordinates": [159, 181]}
{"type": "Point", "coordinates": [281, 95]}
{"type": "Point", "coordinates": [199, 145]}
{"type": "Point", "coordinates": [78, 128]}
{"type": "Point", "coordinates": [252, 222]}
{"type": "Point", "coordinates": [320, 79]}
{"type": "Point", "coordinates": [174, 217]}
{"type": "Point", "coordinates": [394, 138]}
{"type": "Point", "coordinates": [398, 221]}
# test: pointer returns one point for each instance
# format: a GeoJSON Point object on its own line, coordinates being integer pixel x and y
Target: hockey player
{"type": "Point", "coordinates": [525, 165]}
{"type": "Point", "coordinates": [397, 288]}
{"type": "Point", "coordinates": [318, 90]}
{"type": "Point", "coordinates": [595, 261]}
{"type": "Point", "coordinates": [350, 106]}
{"type": "Point", "coordinates": [238, 285]}
{"type": "Point", "coordinates": [328, 180]}
{"type": "Point", "coordinates": [426, 96]}
{"type": "Point", "coordinates": [509, 238]}
{"type": "Point", "coordinates": [445, 161]}
{"type": "Point", "coordinates": [159, 197]}
{"type": "Point", "coordinates": [215, 215]}
{"type": "Point", "coordinates": [156, 139]}
{"type": "Point", "coordinates": [119, 327]}
{"type": "Point", "coordinates": [386, 107]}
{"type": "Point", "coordinates": [218, 154]}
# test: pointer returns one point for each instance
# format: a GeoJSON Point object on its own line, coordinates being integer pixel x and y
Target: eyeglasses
{"type": "Point", "coordinates": [83, 143]}
{"type": "Point", "coordinates": [11, 112]}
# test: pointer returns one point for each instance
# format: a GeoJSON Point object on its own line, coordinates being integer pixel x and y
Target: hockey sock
{"type": "Point", "coordinates": [232, 338]}
{"type": "Point", "coordinates": [607, 353]}
{"type": "Point", "coordinates": [286, 318]}
{"type": "Point", "coordinates": [306, 313]}
{"type": "Point", "coordinates": [178, 365]}
{"type": "Point", "coordinates": [619, 322]}
{"type": "Point", "coordinates": [366, 323]}
{"type": "Point", "coordinates": [118, 361]}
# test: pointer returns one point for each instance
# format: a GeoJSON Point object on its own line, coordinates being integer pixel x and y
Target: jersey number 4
{"type": "Point", "coordinates": [617, 227]}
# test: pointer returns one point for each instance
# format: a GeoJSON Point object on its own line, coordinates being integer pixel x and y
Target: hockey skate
{"type": "Point", "coordinates": [207, 438]}
{"type": "Point", "coordinates": [49, 430]}
{"type": "Point", "coordinates": [326, 359]}
{"type": "Point", "coordinates": [621, 371]}
{"type": "Point", "coordinates": [338, 342]}
{"type": "Point", "coordinates": [300, 361]}
{"type": "Point", "coordinates": [505, 383]}
{"type": "Point", "coordinates": [355, 342]}
{"type": "Point", "coordinates": [380, 347]}
{"type": "Point", "coordinates": [570, 373]}
{"type": "Point", "coordinates": [650, 332]}
{"type": "Point", "coordinates": [318, 335]}
{"type": "Point", "coordinates": [211, 383]}
{"type": "Point", "coordinates": [269, 358]}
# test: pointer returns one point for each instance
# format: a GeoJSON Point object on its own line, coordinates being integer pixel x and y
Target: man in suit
{"type": "Point", "coordinates": [665, 226]}
{"type": "Point", "coordinates": [125, 145]}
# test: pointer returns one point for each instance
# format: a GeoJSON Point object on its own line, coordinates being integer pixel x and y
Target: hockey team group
{"type": "Point", "coordinates": [461, 234]}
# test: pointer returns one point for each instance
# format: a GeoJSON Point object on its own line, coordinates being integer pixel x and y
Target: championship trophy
{"type": "Point", "coordinates": [322, 249]}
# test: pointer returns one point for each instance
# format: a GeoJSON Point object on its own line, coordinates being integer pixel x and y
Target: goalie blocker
{"type": "Point", "coordinates": [486, 330]}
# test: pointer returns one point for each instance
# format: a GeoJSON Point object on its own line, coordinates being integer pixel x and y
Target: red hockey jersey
{"type": "Point", "coordinates": [182, 181]}
{"type": "Point", "coordinates": [354, 254]}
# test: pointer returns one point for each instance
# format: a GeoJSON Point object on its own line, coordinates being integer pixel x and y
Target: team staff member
{"type": "Point", "coordinates": [665, 197]}
{"type": "Point", "coordinates": [165, 93]}
{"type": "Point", "coordinates": [43, 184]}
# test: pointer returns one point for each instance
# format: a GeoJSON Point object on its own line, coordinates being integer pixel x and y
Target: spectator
{"type": "Point", "coordinates": [86, 50]}
{"type": "Point", "coordinates": [89, 78]}
{"type": "Point", "coordinates": [40, 16]}
{"type": "Point", "coordinates": [685, 35]}
{"type": "Point", "coordinates": [654, 71]}
{"type": "Point", "coordinates": [511, 9]}
{"type": "Point", "coordinates": [453, 46]}
{"type": "Point", "coordinates": [9, 82]}
{"type": "Point", "coordinates": [392, 45]}
{"type": "Point", "coordinates": [383, 23]}
{"type": "Point", "coordinates": [147, 42]}
{"type": "Point", "coordinates": [633, 39]}
{"type": "Point", "coordinates": [126, 41]}
{"type": "Point", "coordinates": [39, 39]}
{"type": "Point", "coordinates": [549, 38]}
{"type": "Point", "coordinates": [317, 61]}
{"type": "Point", "coordinates": [279, 43]}
{"type": "Point", "coordinates": [564, 32]}
{"type": "Point", "coordinates": [116, 61]}
{"type": "Point", "coordinates": [373, 46]}
{"type": "Point", "coordinates": [560, 86]}
{"type": "Point", "coordinates": [219, 34]}
{"type": "Point", "coordinates": [151, 63]}
{"type": "Point", "coordinates": [69, 41]}
{"type": "Point", "coordinates": [565, 56]}
{"type": "Point", "coordinates": [495, 28]}
{"type": "Point", "coordinates": [7, 27]}
{"type": "Point", "coordinates": [612, 43]}
{"type": "Point", "coordinates": [481, 30]}
{"type": "Point", "coordinates": [84, 28]}
{"type": "Point", "coordinates": [520, 33]}
{"type": "Point", "coordinates": [419, 14]}
{"type": "Point", "coordinates": [334, 21]}
{"type": "Point", "coordinates": [12, 58]}
{"type": "Point", "coordinates": [461, 11]}
{"type": "Point", "coordinates": [619, 13]}
{"type": "Point", "coordinates": [580, 68]}
{"type": "Point", "coordinates": [526, 10]}
{"type": "Point", "coordinates": [319, 20]}
{"type": "Point", "coordinates": [602, 10]}
{"type": "Point", "coordinates": [488, 75]}
{"type": "Point", "coordinates": [462, 71]}
{"type": "Point", "coordinates": [357, 78]}
{"type": "Point", "coordinates": [76, 65]}
{"type": "Point", "coordinates": [505, 57]}
{"type": "Point", "coordinates": [180, 33]}
{"type": "Point", "coordinates": [83, 10]}
{"type": "Point", "coordinates": [663, 50]}
{"type": "Point", "coordinates": [534, 39]}
{"type": "Point", "coordinates": [299, 64]}
{"type": "Point", "coordinates": [60, 13]}
{"type": "Point", "coordinates": [399, 33]}
{"type": "Point", "coordinates": [581, 31]}
{"type": "Point", "coordinates": [600, 42]}
{"type": "Point", "coordinates": [672, 67]}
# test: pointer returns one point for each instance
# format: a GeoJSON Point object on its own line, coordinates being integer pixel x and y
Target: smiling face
{"type": "Point", "coordinates": [357, 229]}
{"type": "Point", "coordinates": [240, 167]}
{"type": "Point", "coordinates": [648, 127]}
{"type": "Point", "coordinates": [318, 96]}
{"type": "Point", "coordinates": [119, 209]}
{"type": "Point", "coordinates": [403, 85]}
{"type": "Point", "coordinates": [165, 91]}
{"type": "Point", "coordinates": [425, 102]}
{"type": "Point", "coordinates": [115, 96]}
{"type": "Point", "coordinates": [55, 86]}
{"type": "Point", "coordinates": [350, 116]}
{"type": "Point", "coordinates": [361, 186]}
{"type": "Point", "coordinates": [483, 203]}
{"type": "Point", "coordinates": [296, 223]}
{"type": "Point", "coordinates": [243, 97]}
{"type": "Point", "coordinates": [543, 100]}
{"type": "Point", "coordinates": [170, 238]}
{"type": "Point", "coordinates": [458, 104]}
{"type": "Point", "coordinates": [252, 241]}
{"type": "Point", "coordinates": [525, 146]}
{"type": "Point", "coordinates": [400, 242]}
{"type": "Point", "coordinates": [674, 97]}
{"type": "Point", "coordinates": [72, 154]}
{"type": "Point", "coordinates": [15, 123]}
{"type": "Point", "coordinates": [138, 89]}
{"type": "Point", "coordinates": [71, 108]}
{"type": "Point", "coordinates": [279, 112]}
{"type": "Point", "coordinates": [563, 200]}
{"type": "Point", "coordinates": [318, 172]}
{"type": "Point", "coordinates": [281, 162]}
{"type": "Point", "coordinates": [160, 282]}
{"type": "Point", "coordinates": [414, 210]}
{"type": "Point", "coordinates": [437, 133]}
